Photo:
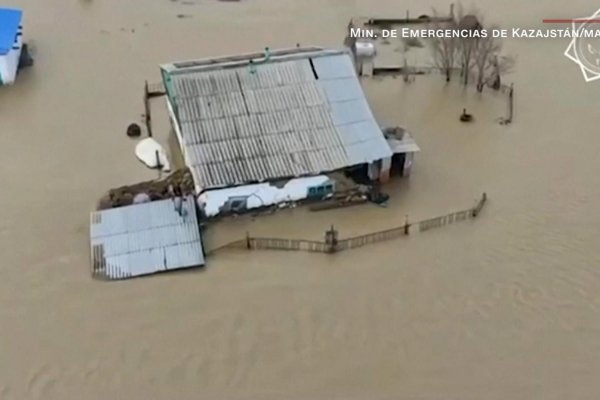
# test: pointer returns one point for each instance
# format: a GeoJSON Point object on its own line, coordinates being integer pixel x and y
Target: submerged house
{"type": "Point", "coordinates": [11, 43]}
{"type": "Point", "coordinates": [264, 128]}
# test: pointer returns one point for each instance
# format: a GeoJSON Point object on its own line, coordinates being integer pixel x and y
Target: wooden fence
{"type": "Point", "coordinates": [444, 220]}
{"type": "Point", "coordinates": [287, 244]}
{"type": "Point", "coordinates": [333, 245]}
{"type": "Point", "coordinates": [375, 237]}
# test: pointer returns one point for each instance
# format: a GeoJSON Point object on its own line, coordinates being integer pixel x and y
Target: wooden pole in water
{"type": "Point", "coordinates": [158, 164]}
{"type": "Point", "coordinates": [510, 103]}
{"type": "Point", "coordinates": [331, 239]}
{"type": "Point", "coordinates": [479, 205]}
{"type": "Point", "coordinates": [147, 117]}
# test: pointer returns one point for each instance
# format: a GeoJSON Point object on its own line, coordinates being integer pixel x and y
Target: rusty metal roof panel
{"type": "Point", "coordinates": [278, 120]}
{"type": "Point", "coordinates": [145, 238]}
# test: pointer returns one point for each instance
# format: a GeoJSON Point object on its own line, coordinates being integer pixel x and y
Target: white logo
{"type": "Point", "coordinates": [585, 51]}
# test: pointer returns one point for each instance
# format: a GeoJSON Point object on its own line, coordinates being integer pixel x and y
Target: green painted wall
{"type": "Point", "coordinates": [168, 83]}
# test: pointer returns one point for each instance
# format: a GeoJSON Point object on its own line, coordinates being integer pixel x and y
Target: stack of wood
{"type": "Point", "coordinates": [342, 199]}
{"type": "Point", "coordinates": [181, 181]}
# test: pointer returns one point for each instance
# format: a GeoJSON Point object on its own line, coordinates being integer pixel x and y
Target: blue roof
{"type": "Point", "coordinates": [10, 19]}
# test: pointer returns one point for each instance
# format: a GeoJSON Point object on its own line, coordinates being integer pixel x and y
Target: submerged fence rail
{"type": "Point", "coordinates": [286, 244]}
{"type": "Point", "coordinates": [445, 220]}
{"type": "Point", "coordinates": [333, 245]}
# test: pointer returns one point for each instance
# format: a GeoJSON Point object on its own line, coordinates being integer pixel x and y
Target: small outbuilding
{"type": "Point", "coordinates": [11, 44]}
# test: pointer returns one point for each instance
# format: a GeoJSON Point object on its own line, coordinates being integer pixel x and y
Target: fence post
{"type": "Point", "coordinates": [331, 239]}
{"type": "Point", "coordinates": [479, 205]}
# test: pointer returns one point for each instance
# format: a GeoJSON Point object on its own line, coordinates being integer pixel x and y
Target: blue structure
{"type": "Point", "coordinates": [10, 43]}
{"type": "Point", "coordinates": [10, 20]}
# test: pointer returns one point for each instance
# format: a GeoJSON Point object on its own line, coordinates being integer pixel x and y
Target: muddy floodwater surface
{"type": "Point", "coordinates": [502, 307]}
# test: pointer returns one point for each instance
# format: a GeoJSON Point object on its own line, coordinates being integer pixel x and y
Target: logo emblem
{"type": "Point", "coordinates": [585, 51]}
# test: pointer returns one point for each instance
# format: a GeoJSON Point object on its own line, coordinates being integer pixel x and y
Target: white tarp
{"type": "Point", "coordinates": [146, 151]}
{"type": "Point", "coordinates": [259, 195]}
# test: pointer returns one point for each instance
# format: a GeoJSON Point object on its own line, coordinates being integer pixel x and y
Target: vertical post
{"type": "Point", "coordinates": [510, 103]}
{"type": "Point", "coordinates": [479, 205]}
{"type": "Point", "coordinates": [159, 166]}
{"type": "Point", "coordinates": [248, 246]}
{"type": "Point", "coordinates": [147, 117]}
{"type": "Point", "coordinates": [406, 226]}
{"type": "Point", "coordinates": [331, 239]}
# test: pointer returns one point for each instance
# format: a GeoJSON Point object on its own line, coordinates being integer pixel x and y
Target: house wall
{"type": "Point", "coordinates": [380, 170]}
{"type": "Point", "coordinates": [408, 162]}
{"type": "Point", "coordinates": [384, 173]}
{"type": "Point", "coordinates": [373, 170]}
{"type": "Point", "coordinates": [367, 68]}
{"type": "Point", "coordinates": [213, 202]}
{"type": "Point", "coordinates": [10, 62]}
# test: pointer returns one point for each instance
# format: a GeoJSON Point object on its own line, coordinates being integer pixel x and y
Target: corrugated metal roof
{"type": "Point", "coordinates": [144, 239]}
{"type": "Point", "coordinates": [281, 121]}
{"type": "Point", "coordinates": [405, 145]}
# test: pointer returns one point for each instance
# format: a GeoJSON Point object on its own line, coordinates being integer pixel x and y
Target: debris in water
{"type": "Point", "coordinates": [155, 189]}
{"type": "Point", "coordinates": [141, 198]}
{"type": "Point", "coordinates": [25, 59]}
{"type": "Point", "coordinates": [134, 130]}
{"type": "Point", "coordinates": [464, 117]}
{"type": "Point", "coordinates": [184, 16]}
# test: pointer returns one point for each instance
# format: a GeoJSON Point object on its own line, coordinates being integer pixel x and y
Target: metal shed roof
{"type": "Point", "coordinates": [405, 145]}
{"type": "Point", "coordinates": [144, 239]}
{"type": "Point", "coordinates": [301, 113]}
{"type": "Point", "coordinates": [10, 20]}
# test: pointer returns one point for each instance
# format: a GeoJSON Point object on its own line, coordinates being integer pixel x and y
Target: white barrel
{"type": "Point", "coordinates": [365, 49]}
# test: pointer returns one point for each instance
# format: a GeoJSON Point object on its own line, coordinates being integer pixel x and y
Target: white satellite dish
{"type": "Point", "coordinates": [152, 154]}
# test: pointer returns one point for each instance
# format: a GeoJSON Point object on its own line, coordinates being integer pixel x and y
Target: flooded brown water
{"type": "Point", "coordinates": [505, 306]}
